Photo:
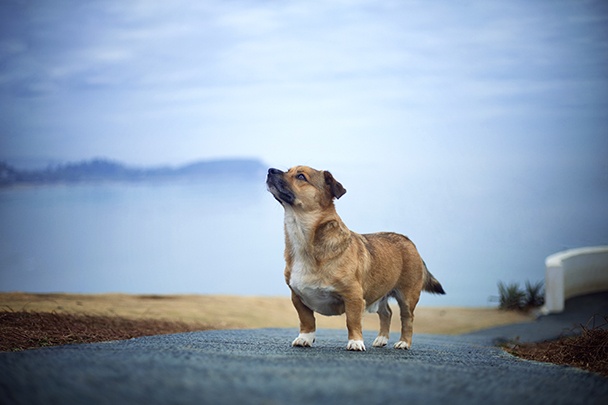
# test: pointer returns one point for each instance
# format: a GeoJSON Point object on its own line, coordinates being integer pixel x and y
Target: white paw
{"type": "Point", "coordinates": [380, 341]}
{"type": "Point", "coordinates": [356, 345]}
{"type": "Point", "coordinates": [402, 345]}
{"type": "Point", "coordinates": [304, 340]}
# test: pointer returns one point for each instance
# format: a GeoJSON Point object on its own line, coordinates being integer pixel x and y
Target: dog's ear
{"type": "Point", "coordinates": [335, 187]}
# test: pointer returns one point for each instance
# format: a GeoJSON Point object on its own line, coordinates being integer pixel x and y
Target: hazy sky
{"type": "Point", "coordinates": [149, 82]}
{"type": "Point", "coordinates": [489, 117]}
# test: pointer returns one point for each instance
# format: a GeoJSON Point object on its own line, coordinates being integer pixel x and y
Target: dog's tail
{"type": "Point", "coordinates": [430, 282]}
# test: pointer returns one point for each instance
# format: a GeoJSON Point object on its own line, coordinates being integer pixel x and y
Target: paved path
{"type": "Point", "coordinates": [259, 367]}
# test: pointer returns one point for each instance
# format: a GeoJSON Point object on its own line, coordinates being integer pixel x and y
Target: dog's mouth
{"type": "Point", "coordinates": [278, 187]}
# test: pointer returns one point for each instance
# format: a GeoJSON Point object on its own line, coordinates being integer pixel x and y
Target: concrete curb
{"type": "Point", "coordinates": [573, 273]}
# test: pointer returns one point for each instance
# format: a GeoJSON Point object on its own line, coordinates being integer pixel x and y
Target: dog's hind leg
{"type": "Point", "coordinates": [406, 308]}
{"type": "Point", "coordinates": [384, 313]}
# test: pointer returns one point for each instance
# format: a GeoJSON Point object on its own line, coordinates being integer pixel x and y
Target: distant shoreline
{"type": "Point", "coordinates": [106, 170]}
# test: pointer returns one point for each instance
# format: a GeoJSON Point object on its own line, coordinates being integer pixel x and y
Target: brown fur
{"type": "Point", "coordinates": [332, 270]}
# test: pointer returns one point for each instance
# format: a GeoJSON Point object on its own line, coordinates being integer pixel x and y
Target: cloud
{"type": "Point", "coordinates": [138, 69]}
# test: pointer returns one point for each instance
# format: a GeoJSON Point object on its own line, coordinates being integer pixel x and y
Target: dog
{"type": "Point", "coordinates": [332, 270]}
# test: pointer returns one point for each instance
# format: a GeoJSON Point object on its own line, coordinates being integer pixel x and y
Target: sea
{"type": "Point", "coordinates": [226, 237]}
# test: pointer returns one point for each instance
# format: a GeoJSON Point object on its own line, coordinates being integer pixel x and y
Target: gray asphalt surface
{"type": "Point", "coordinates": [260, 367]}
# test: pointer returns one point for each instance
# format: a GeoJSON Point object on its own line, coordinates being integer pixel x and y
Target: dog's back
{"type": "Point", "coordinates": [394, 249]}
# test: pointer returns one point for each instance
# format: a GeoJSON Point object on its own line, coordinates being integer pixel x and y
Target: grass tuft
{"type": "Point", "coordinates": [513, 297]}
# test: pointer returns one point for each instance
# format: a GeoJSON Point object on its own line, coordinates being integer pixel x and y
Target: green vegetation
{"type": "Point", "coordinates": [513, 297]}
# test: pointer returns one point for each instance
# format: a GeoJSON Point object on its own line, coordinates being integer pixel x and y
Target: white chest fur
{"type": "Point", "coordinates": [304, 279]}
{"type": "Point", "coordinates": [316, 296]}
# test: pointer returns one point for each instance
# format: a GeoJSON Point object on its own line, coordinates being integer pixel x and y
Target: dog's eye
{"type": "Point", "coordinates": [301, 177]}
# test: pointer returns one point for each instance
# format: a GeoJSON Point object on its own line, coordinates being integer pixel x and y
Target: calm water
{"type": "Point", "coordinates": [145, 238]}
{"type": "Point", "coordinates": [228, 239]}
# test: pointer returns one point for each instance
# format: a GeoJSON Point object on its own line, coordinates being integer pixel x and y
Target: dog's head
{"type": "Point", "coordinates": [304, 188]}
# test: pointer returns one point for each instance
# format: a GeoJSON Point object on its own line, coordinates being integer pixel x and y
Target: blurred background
{"type": "Point", "coordinates": [479, 129]}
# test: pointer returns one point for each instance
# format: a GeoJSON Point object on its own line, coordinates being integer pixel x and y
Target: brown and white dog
{"type": "Point", "coordinates": [332, 270]}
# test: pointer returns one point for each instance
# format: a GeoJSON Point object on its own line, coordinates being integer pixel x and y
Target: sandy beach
{"type": "Point", "coordinates": [237, 312]}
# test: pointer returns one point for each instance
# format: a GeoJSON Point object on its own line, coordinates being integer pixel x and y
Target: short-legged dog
{"type": "Point", "coordinates": [332, 270]}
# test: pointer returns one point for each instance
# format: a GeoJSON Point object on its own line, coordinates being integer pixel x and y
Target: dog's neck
{"type": "Point", "coordinates": [299, 230]}
{"type": "Point", "coordinates": [303, 230]}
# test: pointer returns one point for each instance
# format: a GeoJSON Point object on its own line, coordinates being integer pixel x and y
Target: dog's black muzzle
{"type": "Point", "coordinates": [278, 187]}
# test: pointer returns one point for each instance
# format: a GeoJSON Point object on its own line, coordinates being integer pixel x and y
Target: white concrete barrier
{"type": "Point", "coordinates": [574, 272]}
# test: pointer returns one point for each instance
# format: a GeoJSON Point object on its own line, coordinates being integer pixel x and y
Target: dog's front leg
{"type": "Point", "coordinates": [354, 306]}
{"type": "Point", "coordinates": [307, 323]}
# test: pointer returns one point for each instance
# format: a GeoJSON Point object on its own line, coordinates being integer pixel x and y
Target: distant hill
{"type": "Point", "coordinates": [102, 170]}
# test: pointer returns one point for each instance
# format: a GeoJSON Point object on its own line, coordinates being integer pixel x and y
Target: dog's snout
{"type": "Point", "coordinates": [278, 187]}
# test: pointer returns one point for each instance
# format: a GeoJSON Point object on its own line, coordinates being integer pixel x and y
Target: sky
{"type": "Point", "coordinates": [473, 114]}
{"type": "Point", "coordinates": [151, 82]}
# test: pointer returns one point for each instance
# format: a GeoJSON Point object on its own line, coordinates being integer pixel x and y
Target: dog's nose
{"type": "Point", "coordinates": [274, 171]}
